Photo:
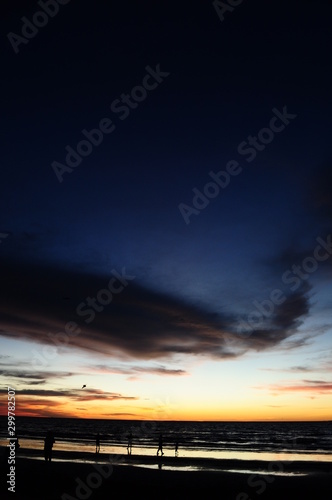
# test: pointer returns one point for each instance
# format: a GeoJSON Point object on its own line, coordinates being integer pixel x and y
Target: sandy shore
{"type": "Point", "coordinates": [166, 478]}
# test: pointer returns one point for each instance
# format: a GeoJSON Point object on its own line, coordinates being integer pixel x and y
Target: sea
{"type": "Point", "coordinates": [308, 441]}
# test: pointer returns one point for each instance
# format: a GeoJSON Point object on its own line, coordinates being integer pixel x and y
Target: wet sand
{"type": "Point", "coordinates": [166, 478]}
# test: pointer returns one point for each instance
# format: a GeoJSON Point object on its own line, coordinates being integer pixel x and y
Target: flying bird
{"type": "Point", "coordinates": [83, 386]}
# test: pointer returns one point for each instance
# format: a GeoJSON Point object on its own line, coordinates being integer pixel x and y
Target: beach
{"type": "Point", "coordinates": [73, 475]}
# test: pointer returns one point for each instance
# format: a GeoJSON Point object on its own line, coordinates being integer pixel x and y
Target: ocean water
{"type": "Point", "coordinates": [239, 440]}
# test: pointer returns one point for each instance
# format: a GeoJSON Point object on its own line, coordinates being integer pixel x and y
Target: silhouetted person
{"type": "Point", "coordinates": [176, 447]}
{"type": "Point", "coordinates": [98, 443]}
{"type": "Point", "coordinates": [49, 441]}
{"type": "Point", "coordinates": [130, 443]}
{"type": "Point", "coordinates": [160, 448]}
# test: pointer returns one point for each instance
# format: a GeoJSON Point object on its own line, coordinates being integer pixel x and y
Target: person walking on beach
{"type": "Point", "coordinates": [130, 443]}
{"type": "Point", "coordinates": [98, 443]}
{"type": "Point", "coordinates": [48, 445]}
{"type": "Point", "coordinates": [176, 447]}
{"type": "Point", "coordinates": [160, 448]}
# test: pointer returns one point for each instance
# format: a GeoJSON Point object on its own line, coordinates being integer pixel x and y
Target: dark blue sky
{"type": "Point", "coordinates": [119, 208]}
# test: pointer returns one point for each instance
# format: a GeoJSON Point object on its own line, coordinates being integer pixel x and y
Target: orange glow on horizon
{"type": "Point", "coordinates": [64, 409]}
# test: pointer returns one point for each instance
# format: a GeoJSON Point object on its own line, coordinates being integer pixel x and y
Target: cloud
{"type": "Point", "coordinates": [34, 407]}
{"type": "Point", "coordinates": [48, 402]}
{"type": "Point", "coordinates": [37, 377]}
{"type": "Point", "coordinates": [292, 369]}
{"type": "Point", "coordinates": [282, 324]}
{"type": "Point", "coordinates": [96, 394]}
{"type": "Point", "coordinates": [315, 382]}
{"type": "Point", "coordinates": [312, 387]}
{"type": "Point", "coordinates": [301, 369]}
{"type": "Point", "coordinates": [134, 370]}
{"type": "Point", "coordinates": [37, 302]}
{"type": "Point", "coordinates": [294, 255]}
{"type": "Point", "coordinates": [322, 364]}
{"type": "Point", "coordinates": [80, 395]}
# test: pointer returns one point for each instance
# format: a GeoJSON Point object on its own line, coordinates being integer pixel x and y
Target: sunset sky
{"type": "Point", "coordinates": [180, 266]}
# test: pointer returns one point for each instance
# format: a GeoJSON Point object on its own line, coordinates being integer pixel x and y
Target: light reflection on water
{"type": "Point", "coordinates": [183, 453]}
{"type": "Point", "coordinates": [184, 468]}
{"type": "Point", "coordinates": [193, 468]}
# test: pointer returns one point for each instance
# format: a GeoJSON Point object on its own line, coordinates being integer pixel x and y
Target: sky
{"type": "Point", "coordinates": [165, 222]}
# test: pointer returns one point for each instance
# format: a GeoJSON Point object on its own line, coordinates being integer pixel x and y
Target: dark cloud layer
{"type": "Point", "coordinates": [139, 322]}
{"type": "Point", "coordinates": [79, 395]}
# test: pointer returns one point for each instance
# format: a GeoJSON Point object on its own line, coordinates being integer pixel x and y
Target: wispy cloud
{"type": "Point", "coordinates": [291, 369]}
{"type": "Point", "coordinates": [310, 387]}
{"type": "Point", "coordinates": [323, 365]}
{"type": "Point", "coordinates": [78, 394]}
{"type": "Point", "coordinates": [34, 377]}
{"type": "Point", "coordinates": [137, 370]}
